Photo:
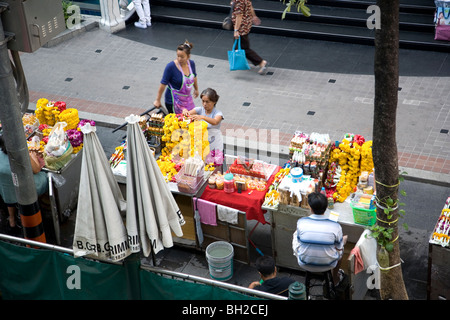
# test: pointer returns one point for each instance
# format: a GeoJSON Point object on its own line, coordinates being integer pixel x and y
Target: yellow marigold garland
{"type": "Point", "coordinates": [69, 116]}
{"type": "Point", "coordinates": [366, 157]}
{"type": "Point", "coordinates": [348, 157]}
{"type": "Point", "coordinates": [46, 112]}
{"type": "Point", "coordinates": [170, 125]}
{"type": "Point", "coordinates": [167, 167]}
{"type": "Point", "coordinates": [198, 131]}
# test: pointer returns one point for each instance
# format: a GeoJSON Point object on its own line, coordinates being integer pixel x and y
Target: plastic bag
{"type": "Point", "coordinates": [30, 123]}
{"type": "Point", "coordinates": [34, 143]}
{"type": "Point", "coordinates": [58, 150]}
{"type": "Point", "coordinates": [58, 141]}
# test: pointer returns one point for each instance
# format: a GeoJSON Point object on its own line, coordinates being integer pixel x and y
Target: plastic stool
{"type": "Point", "coordinates": [329, 291]}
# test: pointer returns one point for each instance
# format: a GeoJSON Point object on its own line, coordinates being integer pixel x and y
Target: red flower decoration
{"type": "Point", "coordinates": [61, 105]}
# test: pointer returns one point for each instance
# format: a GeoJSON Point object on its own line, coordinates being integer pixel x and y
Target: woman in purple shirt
{"type": "Point", "coordinates": [179, 77]}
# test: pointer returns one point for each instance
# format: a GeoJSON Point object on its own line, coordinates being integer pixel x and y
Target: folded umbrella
{"type": "Point", "coordinates": [99, 228]}
{"type": "Point", "coordinates": [151, 209]}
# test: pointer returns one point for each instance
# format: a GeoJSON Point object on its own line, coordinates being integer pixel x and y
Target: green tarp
{"type": "Point", "coordinates": [160, 288]}
{"type": "Point", "coordinates": [27, 273]}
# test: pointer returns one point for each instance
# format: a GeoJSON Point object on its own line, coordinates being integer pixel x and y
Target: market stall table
{"type": "Point", "coordinates": [63, 191]}
{"type": "Point", "coordinates": [248, 201]}
{"type": "Point", "coordinates": [438, 287]}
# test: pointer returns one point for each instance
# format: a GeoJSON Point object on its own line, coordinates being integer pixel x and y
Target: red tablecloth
{"type": "Point", "coordinates": [248, 203]}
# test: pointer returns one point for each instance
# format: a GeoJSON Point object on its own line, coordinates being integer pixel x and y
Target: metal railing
{"type": "Point", "coordinates": [157, 270]}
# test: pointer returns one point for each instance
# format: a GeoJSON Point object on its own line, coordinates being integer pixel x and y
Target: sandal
{"type": "Point", "coordinates": [263, 69]}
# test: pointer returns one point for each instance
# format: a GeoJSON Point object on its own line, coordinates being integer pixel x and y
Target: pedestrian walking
{"type": "Point", "coordinates": [143, 11]}
{"type": "Point", "coordinates": [243, 18]}
{"type": "Point", "coordinates": [180, 77]}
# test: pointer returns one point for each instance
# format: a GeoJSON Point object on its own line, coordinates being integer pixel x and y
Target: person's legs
{"type": "Point", "coordinates": [146, 7]}
{"type": "Point", "coordinates": [140, 12]}
{"type": "Point", "coordinates": [335, 272]}
{"type": "Point", "coordinates": [250, 54]}
{"type": "Point", "coordinates": [12, 215]}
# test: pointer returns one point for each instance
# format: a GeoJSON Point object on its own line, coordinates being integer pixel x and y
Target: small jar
{"type": "Point", "coordinates": [212, 182]}
{"type": "Point", "coordinates": [219, 183]}
{"type": "Point", "coordinates": [228, 183]}
{"type": "Point", "coordinates": [330, 203]}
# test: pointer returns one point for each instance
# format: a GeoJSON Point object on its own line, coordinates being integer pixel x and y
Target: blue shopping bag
{"type": "Point", "coordinates": [236, 57]}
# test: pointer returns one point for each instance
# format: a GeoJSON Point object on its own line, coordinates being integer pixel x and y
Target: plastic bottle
{"type": "Point", "coordinates": [323, 191]}
{"type": "Point", "coordinates": [228, 184]}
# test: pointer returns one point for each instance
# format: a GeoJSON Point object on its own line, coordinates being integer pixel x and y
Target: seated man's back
{"type": "Point", "coordinates": [320, 243]}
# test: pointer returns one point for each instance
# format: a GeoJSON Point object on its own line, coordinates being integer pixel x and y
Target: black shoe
{"type": "Point", "coordinates": [15, 231]}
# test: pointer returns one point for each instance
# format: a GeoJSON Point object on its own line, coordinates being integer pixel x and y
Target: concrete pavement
{"type": "Point", "coordinates": [313, 86]}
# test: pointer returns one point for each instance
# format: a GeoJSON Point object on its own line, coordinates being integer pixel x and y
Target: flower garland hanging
{"type": "Point", "coordinates": [347, 156]}
{"type": "Point", "coordinates": [198, 131]}
{"type": "Point", "coordinates": [366, 157]}
{"type": "Point", "coordinates": [46, 112]}
{"type": "Point", "coordinates": [170, 125]}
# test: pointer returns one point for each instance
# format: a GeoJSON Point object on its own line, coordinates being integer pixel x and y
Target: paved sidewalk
{"type": "Point", "coordinates": [110, 76]}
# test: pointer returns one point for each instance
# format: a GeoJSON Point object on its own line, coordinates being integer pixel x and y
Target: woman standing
{"type": "Point", "coordinates": [179, 77]}
{"type": "Point", "coordinates": [211, 115]}
{"type": "Point", "coordinates": [244, 17]}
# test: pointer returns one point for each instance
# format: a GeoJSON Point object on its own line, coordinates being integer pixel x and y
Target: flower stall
{"type": "Point", "coordinates": [439, 257]}
{"type": "Point", "coordinates": [54, 130]}
{"type": "Point", "coordinates": [199, 181]}
{"type": "Point", "coordinates": [343, 172]}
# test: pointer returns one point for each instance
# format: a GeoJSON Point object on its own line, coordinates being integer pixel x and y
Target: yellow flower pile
{"type": "Point", "coordinates": [46, 112]}
{"type": "Point", "coordinates": [69, 116]}
{"type": "Point", "coordinates": [272, 198]}
{"type": "Point", "coordinates": [167, 167]}
{"type": "Point", "coordinates": [366, 157]}
{"type": "Point", "coordinates": [347, 157]}
{"type": "Point", "coordinates": [199, 138]}
{"type": "Point", "coordinates": [77, 149]}
{"type": "Point", "coordinates": [170, 125]}
{"type": "Point", "coordinates": [46, 131]}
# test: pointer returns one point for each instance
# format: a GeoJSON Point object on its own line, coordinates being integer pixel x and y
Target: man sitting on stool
{"type": "Point", "coordinates": [269, 281]}
{"type": "Point", "coordinates": [318, 242]}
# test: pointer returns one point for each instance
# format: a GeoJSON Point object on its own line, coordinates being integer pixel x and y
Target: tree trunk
{"type": "Point", "coordinates": [384, 138]}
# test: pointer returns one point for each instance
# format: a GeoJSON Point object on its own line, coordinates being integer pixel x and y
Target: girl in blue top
{"type": "Point", "coordinates": [179, 77]}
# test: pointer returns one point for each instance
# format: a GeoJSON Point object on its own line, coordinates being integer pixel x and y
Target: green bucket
{"type": "Point", "coordinates": [219, 255]}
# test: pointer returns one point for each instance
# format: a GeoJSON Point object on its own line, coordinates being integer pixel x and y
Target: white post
{"type": "Point", "coordinates": [111, 20]}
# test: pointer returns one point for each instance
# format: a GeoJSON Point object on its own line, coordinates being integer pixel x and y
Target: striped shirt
{"type": "Point", "coordinates": [320, 243]}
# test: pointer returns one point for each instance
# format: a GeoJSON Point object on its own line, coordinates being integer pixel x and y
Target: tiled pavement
{"type": "Point", "coordinates": [318, 86]}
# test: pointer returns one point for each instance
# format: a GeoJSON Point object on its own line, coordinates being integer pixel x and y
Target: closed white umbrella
{"type": "Point", "coordinates": [151, 209]}
{"type": "Point", "coordinates": [99, 229]}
